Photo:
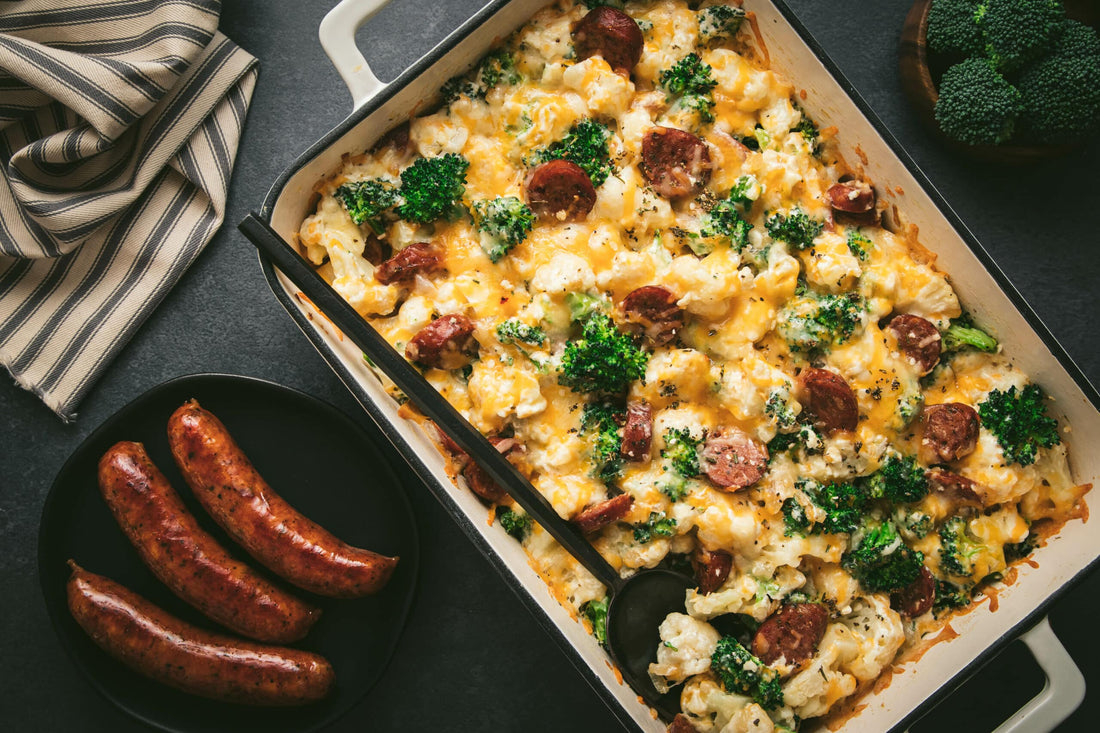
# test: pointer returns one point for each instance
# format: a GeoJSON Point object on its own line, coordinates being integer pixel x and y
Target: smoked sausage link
{"type": "Point", "coordinates": [190, 561]}
{"type": "Point", "coordinates": [637, 432]}
{"type": "Point", "coordinates": [262, 522]}
{"type": "Point", "coordinates": [851, 197]}
{"type": "Point", "coordinates": [793, 633]}
{"type": "Point", "coordinates": [713, 571]}
{"type": "Point", "coordinates": [421, 257]}
{"type": "Point", "coordinates": [446, 343]}
{"type": "Point", "coordinates": [655, 309]}
{"type": "Point", "coordinates": [611, 34]}
{"type": "Point", "coordinates": [479, 481]}
{"type": "Point", "coordinates": [950, 432]}
{"type": "Point", "coordinates": [561, 190]}
{"type": "Point", "coordinates": [827, 397]}
{"type": "Point", "coordinates": [918, 339]}
{"type": "Point", "coordinates": [598, 516]}
{"type": "Point", "coordinates": [916, 598]}
{"type": "Point", "coordinates": [733, 460]}
{"type": "Point", "coordinates": [675, 162]}
{"type": "Point", "coordinates": [160, 646]}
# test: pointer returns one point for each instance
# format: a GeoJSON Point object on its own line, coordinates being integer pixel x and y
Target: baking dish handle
{"type": "Point", "coordinates": [337, 34]}
{"type": "Point", "coordinates": [1064, 689]}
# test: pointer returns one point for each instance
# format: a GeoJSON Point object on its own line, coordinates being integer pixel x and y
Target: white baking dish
{"type": "Point", "coordinates": [830, 100]}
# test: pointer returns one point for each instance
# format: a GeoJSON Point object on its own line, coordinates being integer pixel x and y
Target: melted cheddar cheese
{"type": "Point", "coordinates": [747, 334]}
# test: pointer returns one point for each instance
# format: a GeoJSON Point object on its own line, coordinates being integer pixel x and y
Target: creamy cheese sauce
{"type": "Point", "coordinates": [734, 365]}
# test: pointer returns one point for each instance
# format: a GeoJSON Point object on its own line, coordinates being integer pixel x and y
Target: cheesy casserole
{"type": "Point", "coordinates": [624, 252]}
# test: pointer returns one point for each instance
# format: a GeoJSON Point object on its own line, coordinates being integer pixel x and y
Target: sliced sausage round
{"type": "Point", "coordinates": [637, 432]}
{"type": "Point", "coordinates": [611, 34]}
{"type": "Point", "coordinates": [733, 460]}
{"type": "Point", "coordinates": [713, 571]}
{"type": "Point", "coordinates": [680, 724]}
{"type": "Point", "coordinates": [421, 257]}
{"type": "Point", "coordinates": [957, 489]}
{"type": "Point", "coordinates": [950, 432]}
{"type": "Point", "coordinates": [654, 309]}
{"type": "Point", "coordinates": [445, 343]}
{"type": "Point", "coordinates": [598, 516]}
{"type": "Point", "coordinates": [375, 251]}
{"type": "Point", "coordinates": [479, 481]}
{"type": "Point", "coordinates": [916, 598]}
{"type": "Point", "coordinates": [397, 138]}
{"type": "Point", "coordinates": [791, 633]}
{"type": "Point", "coordinates": [675, 162]}
{"type": "Point", "coordinates": [560, 189]}
{"type": "Point", "coordinates": [851, 197]}
{"type": "Point", "coordinates": [918, 339]}
{"type": "Point", "coordinates": [827, 398]}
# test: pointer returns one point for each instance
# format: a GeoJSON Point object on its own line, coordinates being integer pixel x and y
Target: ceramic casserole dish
{"type": "Point", "coordinates": [831, 101]}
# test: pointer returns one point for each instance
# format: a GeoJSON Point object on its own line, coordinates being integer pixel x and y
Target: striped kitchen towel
{"type": "Point", "coordinates": [119, 123]}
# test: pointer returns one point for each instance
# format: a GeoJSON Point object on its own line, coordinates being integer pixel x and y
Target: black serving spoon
{"type": "Point", "coordinates": [638, 603]}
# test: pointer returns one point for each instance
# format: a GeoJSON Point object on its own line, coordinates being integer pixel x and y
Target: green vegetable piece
{"type": "Point", "coordinates": [596, 613]}
{"type": "Point", "coordinates": [1019, 422]}
{"type": "Point", "coordinates": [746, 190]}
{"type": "Point", "coordinates": [882, 562]}
{"type": "Point", "coordinates": [1060, 99]}
{"type": "Point", "coordinates": [682, 451]}
{"type": "Point", "coordinates": [600, 422]}
{"type": "Point", "coordinates": [514, 331]}
{"type": "Point", "coordinates": [843, 504]}
{"type": "Point", "coordinates": [962, 334]}
{"type": "Point", "coordinates": [900, 480]}
{"type": "Point", "coordinates": [795, 519]}
{"type": "Point", "coordinates": [859, 245]}
{"type": "Point", "coordinates": [432, 188]}
{"type": "Point", "coordinates": [740, 672]}
{"type": "Point", "coordinates": [719, 22]}
{"type": "Point", "coordinates": [498, 68]}
{"type": "Point", "coordinates": [506, 220]}
{"type": "Point", "coordinates": [819, 320]}
{"type": "Point", "coordinates": [367, 201]}
{"type": "Point", "coordinates": [691, 81]}
{"type": "Point", "coordinates": [586, 145]}
{"type": "Point", "coordinates": [516, 524]}
{"type": "Point", "coordinates": [658, 525]}
{"type": "Point", "coordinates": [583, 306]}
{"type": "Point", "coordinates": [1017, 32]}
{"type": "Point", "coordinates": [796, 228]}
{"type": "Point", "coordinates": [953, 28]}
{"type": "Point", "coordinates": [950, 596]}
{"type": "Point", "coordinates": [977, 106]}
{"type": "Point", "coordinates": [604, 359]}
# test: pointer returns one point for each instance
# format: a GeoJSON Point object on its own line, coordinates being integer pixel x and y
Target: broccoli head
{"type": "Point", "coordinates": [1019, 422]}
{"type": "Point", "coordinates": [516, 524]}
{"type": "Point", "coordinates": [432, 188]}
{"type": "Point", "coordinates": [582, 306]}
{"type": "Point", "coordinates": [724, 222]}
{"type": "Point", "coordinates": [515, 331]}
{"type": "Point", "coordinates": [690, 81]}
{"type": "Point", "coordinates": [496, 69]}
{"type": "Point", "coordinates": [1078, 41]}
{"type": "Point", "coordinates": [805, 437]}
{"type": "Point", "coordinates": [962, 334]}
{"type": "Point", "coordinates": [658, 525]}
{"type": "Point", "coordinates": [957, 548]}
{"type": "Point", "coordinates": [811, 321]}
{"type": "Point", "coordinates": [1017, 32]}
{"type": "Point", "coordinates": [600, 422]}
{"type": "Point", "coordinates": [795, 519]}
{"type": "Point", "coordinates": [586, 145]}
{"type": "Point", "coordinates": [796, 228]}
{"type": "Point", "coordinates": [843, 504]}
{"type": "Point", "coordinates": [882, 562]}
{"type": "Point", "coordinates": [596, 613]}
{"type": "Point", "coordinates": [859, 245]}
{"type": "Point", "coordinates": [778, 407]}
{"type": "Point", "coordinates": [977, 106]}
{"type": "Point", "coordinates": [681, 450]}
{"type": "Point", "coordinates": [900, 480]}
{"type": "Point", "coordinates": [367, 201]}
{"type": "Point", "coordinates": [742, 673]}
{"type": "Point", "coordinates": [719, 22]}
{"type": "Point", "coordinates": [809, 132]}
{"type": "Point", "coordinates": [604, 359]}
{"type": "Point", "coordinates": [746, 190]}
{"type": "Point", "coordinates": [505, 222]}
{"type": "Point", "coordinates": [953, 28]}
{"type": "Point", "coordinates": [950, 596]}
{"type": "Point", "coordinates": [1060, 99]}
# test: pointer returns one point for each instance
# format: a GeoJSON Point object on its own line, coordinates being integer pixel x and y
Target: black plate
{"type": "Point", "coordinates": [313, 455]}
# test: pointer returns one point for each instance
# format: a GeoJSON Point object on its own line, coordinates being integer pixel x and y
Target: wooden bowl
{"type": "Point", "coordinates": [922, 69]}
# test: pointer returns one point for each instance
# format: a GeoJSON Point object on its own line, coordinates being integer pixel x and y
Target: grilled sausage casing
{"type": "Point", "coordinates": [187, 559]}
{"type": "Point", "coordinates": [264, 524]}
{"type": "Point", "coordinates": [160, 646]}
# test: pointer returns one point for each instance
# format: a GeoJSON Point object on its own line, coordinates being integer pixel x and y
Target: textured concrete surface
{"type": "Point", "coordinates": [472, 658]}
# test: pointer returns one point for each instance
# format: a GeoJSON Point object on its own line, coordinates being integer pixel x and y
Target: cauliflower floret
{"type": "Point", "coordinates": [629, 271]}
{"type": "Point", "coordinates": [498, 391]}
{"type": "Point", "coordinates": [750, 719]}
{"type": "Point", "coordinates": [437, 134]}
{"type": "Point", "coordinates": [815, 689]}
{"type": "Point", "coordinates": [354, 281]}
{"type": "Point", "coordinates": [706, 286]}
{"type": "Point", "coordinates": [685, 650]}
{"type": "Point", "coordinates": [604, 91]}
{"type": "Point", "coordinates": [708, 706]}
{"type": "Point", "coordinates": [830, 264]}
{"type": "Point", "coordinates": [564, 273]}
{"type": "Point", "coordinates": [569, 493]}
{"type": "Point", "coordinates": [754, 596]}
{"type": "Point", "coordinates": [674, 375]}
{"type": "Point", "coordinates": [878, 632]}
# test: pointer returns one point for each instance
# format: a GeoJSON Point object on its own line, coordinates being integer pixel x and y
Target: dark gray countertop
{"type": "Point", "coordinates": [471, 657]}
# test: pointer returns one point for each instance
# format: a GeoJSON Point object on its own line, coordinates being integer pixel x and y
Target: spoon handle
{"type": "Point", "coordinates": [426, 399]}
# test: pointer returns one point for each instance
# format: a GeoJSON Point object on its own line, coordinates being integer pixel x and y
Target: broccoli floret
{"type": "Point", "coordinates": [1078, 41]}
{"type": "Point", "coordinates": [796, 228]}
{"type": "Point", "coordinates": [859, 245]}
{"type": "Point", "coordinates": [432, 188]}
{"type": "Point", "coordinates": [746, 190]}
{"type": "Point", "coordinates": [843, 505]}
{"type": "Point", "coordinates": [977, 106]}
{"type": "Point", "coordinates": [516, 524]}
{"type": "Point", "coordinates": [953, 28]}
{"type": "Point", "coordinates": [725, 222]}
{"type": "Point", "coordinates": [1018, 31]}
{"type": "Point", "coordinates": [719, 21]}
{"type": "Point", "coordinates": [949, 597]}
{"type": "Point", "coordinates": [962, 334]}
{"type": "Point", "coordinates": [913, 523]}
{"type": "Point", "coordinates": [582, 306]}
{"type": "Point", "coordinates": [812, 321]}
{"type": "Point", "coordinates": [1060, 99]}
{"type": "Point", "coordinates": [600, 422]}
{"type": "Point", "coordinates": [1019, 422]}
{"type": "Point", "coordinates": [658, 525]}
{"type": "Point", "coordinates": [596, 613]}
{"type": "Point", "coordinates": [740, 672]}
{"type": "Point", "coordinates": [900, 480]}
{"type": "Point", "coordinates": [367, 201]}
{"type": "Point", "coordinates": [691, 81]}
{"type": "Point", "coordinates": [809, 132]}
{"type": "Point", "coordinates": [882, 562]}
{"type": "Point", "coordinates": [1019, 550]}
{"type": "Point", "coordinates": [681, 450]}
{"type": "Point", "coordinates": [586, 145]}
{"type": "Point", "coordinates": [505, 222]}
{"type": "Point", "coordinates": [496, 69]}
{"type": "Point", "coordinates": [514, 331]}
{"type": "Point", "coordinates": [778, 407]}
{"type": "Point", "coordinates": [957, 547]}
{"type": "Point", "coordinates": [674, 487]}
{"type": "Point", "coordinates": [604, 359]}
{"type": "Point", "coordinates": [805, 437]}
{"type": "Point", "coordinates": [795, 519]}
